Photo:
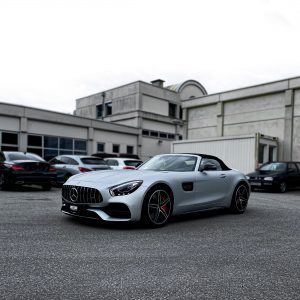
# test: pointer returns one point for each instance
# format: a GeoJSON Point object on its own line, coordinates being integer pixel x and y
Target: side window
{"type": "Point", "coordinates": [64, 160]}
{"type": "Point", "coordinates": [112, 162]}
{"type": "Point", "coordinates": [292, 168]}
{"type": "Point", "coordinates": [298, 165]}
{"type": "Point", "coordinates": [211, 163]}
{"type": "Point", "coordinates": [2, 158]}
{"type": "Point", "coordinates": [72, 161]}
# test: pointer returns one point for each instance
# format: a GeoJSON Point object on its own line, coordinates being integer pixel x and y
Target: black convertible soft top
{"type": "Point", "coordinates": [224, 167]}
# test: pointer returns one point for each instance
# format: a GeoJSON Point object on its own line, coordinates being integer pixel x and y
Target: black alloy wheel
{"type": "Point", "coordinates": [240, 198]}
{"type": "Point", "coordinates": [157, 207]}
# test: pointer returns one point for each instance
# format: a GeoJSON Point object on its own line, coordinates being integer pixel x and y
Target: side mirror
{"type": "Point", "coordinates": [208, 167]}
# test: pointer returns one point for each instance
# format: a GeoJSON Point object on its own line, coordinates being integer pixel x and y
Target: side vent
{"type": "Point", "coordinates": [188, 186]}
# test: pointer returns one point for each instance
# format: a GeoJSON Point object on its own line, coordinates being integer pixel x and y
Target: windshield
{"type": "Point", "coordinates": [175, 163]}
{"type": "Point", "coordinates": [133, 163]}
{"type": "Point", "coordinates": [93, 161]}
{"type": "Point", "coordinates": [23, 156]}
{"type": "Point", "coordinates": [273, 167]}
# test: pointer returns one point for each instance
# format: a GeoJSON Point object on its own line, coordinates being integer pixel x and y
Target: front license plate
{"type": "Point", "coordinates": [73, 207]}
{"type": "Point", "coordinates": [255, 183]}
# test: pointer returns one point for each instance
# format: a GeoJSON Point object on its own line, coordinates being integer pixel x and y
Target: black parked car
{"type": "Point", "coordinates": [20, 168]}
{"type": "Point", "coordinates": [276, 176]}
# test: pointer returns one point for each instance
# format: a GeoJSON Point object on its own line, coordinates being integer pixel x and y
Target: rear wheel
{"type": "Point", "coordinates": [3, 182]}
{"type": "Point", "coordinates": [157, 207]}
{"type": "Point", "coordinates": [240, 198]}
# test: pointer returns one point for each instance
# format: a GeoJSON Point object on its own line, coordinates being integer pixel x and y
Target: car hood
{"type": "Point", "coordinates": [113, 177]}
{"type": "Point", "coordinates": [264, 174]}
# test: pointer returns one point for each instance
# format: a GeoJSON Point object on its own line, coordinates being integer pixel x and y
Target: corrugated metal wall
{"type": "Point", "coordinates": [238, 152]}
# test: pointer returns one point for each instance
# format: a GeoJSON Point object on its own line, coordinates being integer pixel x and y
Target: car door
{"type": "Point", "coordinates": [212, 183]}
{"type": "Point", "coordinates": [292, 175]}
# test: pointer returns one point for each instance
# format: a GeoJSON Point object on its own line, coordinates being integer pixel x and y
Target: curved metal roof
{"type": "Point", "coordinates": [179, 86]}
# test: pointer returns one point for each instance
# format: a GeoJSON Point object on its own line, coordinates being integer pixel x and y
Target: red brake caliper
{"type": "Point", "coordinates": [164, 206]}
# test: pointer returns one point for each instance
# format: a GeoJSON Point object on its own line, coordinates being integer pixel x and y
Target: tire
{"type": "Point", "coordinates": [239, 199]}
{"type": "Point", "coordinates": [3, 183]}
{"type": "Point", "coordinates": [282, 187]}
{"type": "Point", "coordinates": [46, 187]}
{"type": "Point", "coordinates": [157, 207]}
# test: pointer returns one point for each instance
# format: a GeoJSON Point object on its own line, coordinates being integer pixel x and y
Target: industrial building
{"type": "Point", "coordinates": [145, 118]}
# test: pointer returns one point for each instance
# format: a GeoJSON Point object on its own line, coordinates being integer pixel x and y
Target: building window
{"type": "Point", "coordinates": [154, 133]}
{"type": "Point", "coordinates": [108, 109]}
{"type": "Point", "coordinates": [171, 136]}
{"type": "Point", "coordinates": [172, 110]}
{"type": "Point", "coordinates": [80, 145]}
{"type": "Point", "coordinates": [116, 148]}
{"type": "Point", "coordinates": [99, 110]}
{"type": "Point", "coordinates": [66, 143]}
{"type": "Point", "coordinates": [130, 149]}
{"type": "Point", "coordinates": [50, 142]}
{"type": "Point", "coordinates": [180, 112]}
{"type": "Point", "coordinates": [100, 147]}
{"type": "Point", "coordinates": [9, 141]}
{"type": "Point", "coordinates": [145, 132]}
{"type": "Point", "coordinates": [34, 140]}
{"type": "Point", "coordinates": [163, 135]}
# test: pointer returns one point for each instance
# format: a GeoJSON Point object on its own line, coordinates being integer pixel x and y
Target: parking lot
{"type": "Point", "coordinates": [213, 255]}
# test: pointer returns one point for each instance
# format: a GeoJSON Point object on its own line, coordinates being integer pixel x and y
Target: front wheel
{"type": "Point", "coordinates": [282, 187]}
{"type": "Point", "coordinates": [157, 207]}
{"type": "Point", "coordinates": [239, 200]}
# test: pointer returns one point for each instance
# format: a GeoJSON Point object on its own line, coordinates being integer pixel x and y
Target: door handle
{"type": "Point", "coordinates": [223, 176]}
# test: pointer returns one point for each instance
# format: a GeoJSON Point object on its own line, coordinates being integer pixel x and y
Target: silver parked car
{"type": "Point", "coordinates": [166, 185]}
{"type": "Point", "coordinates": [69, 165]}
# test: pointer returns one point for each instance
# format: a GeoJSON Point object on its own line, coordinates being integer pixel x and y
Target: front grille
{"type": "Point", "coordinates": [81, 195]}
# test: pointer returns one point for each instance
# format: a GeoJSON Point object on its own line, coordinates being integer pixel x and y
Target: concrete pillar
{"type": "Point", "coordinates": [185, 123]}
{"type": "Point", "coordinates": [23, 134]}
{"type": "Point", "coordinates": [90, 143]}
{"type": "Point", "coordinates": [220, 118]}
{"type": "Point", "coordinates": [288, 125]}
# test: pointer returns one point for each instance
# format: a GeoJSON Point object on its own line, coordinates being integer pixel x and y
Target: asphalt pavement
{"type": "Point", "coordinates": [45, 254]}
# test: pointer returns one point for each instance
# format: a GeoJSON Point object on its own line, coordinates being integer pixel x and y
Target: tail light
{"type": "Point", "coordinates": [52, 169]}
{"type": "Point", "coordinates": [128, 168]}
{"type": "Point", "coordinates": [82, 169]}
{"type": "Point", "coordinates": [16, 168]}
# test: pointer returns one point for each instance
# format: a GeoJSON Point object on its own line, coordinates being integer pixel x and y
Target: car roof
{"type": "Point", "coordinates": [122, 158]}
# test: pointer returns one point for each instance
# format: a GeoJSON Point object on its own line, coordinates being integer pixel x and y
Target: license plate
{"type": "Point", "coordinates": [255, 183]}
{"type": "Point", "coordinates": [73, 207]}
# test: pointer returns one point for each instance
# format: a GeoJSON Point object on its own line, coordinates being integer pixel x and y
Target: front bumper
{"type": "Point", "coordinates": [115, 209]}
{"type": "Point", "coordinates": [263, 184]}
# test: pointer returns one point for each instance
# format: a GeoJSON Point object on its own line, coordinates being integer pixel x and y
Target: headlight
{"type": "Point", "coordinates": [268, 178]}
{"type": "Point", "coordinates": [247, 177]}
{"type": "Point", "coordinates": [125, 188]}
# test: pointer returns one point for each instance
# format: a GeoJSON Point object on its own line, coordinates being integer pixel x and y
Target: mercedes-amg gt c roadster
{"type": "Point", "coordinates": [166, 185]}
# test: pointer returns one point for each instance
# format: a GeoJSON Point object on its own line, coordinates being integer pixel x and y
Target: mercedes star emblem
{"type": "Point", "coordinates": [73, 194]}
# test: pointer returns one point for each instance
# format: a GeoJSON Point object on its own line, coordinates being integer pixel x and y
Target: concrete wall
{"type": "Point", "coordinates": [272, 109]}
{"type": "Point", "coordinates": [26, 120]}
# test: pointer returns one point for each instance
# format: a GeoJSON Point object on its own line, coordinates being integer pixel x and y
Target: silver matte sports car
{"type": "Point", "coordinates": [166, 185]}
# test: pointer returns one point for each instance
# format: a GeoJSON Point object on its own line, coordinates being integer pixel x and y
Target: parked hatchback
{"type": "Point", "coordinates": [68, 165]}
{"type": "Point", "coordinates": [20, 168]}
{"type": "Point", "coordinates": [276, 176]}
{"type": "Point", "coordinates": [117, 163]}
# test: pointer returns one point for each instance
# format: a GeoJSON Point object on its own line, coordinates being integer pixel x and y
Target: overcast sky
{"type": "Point", "coordinates": [53, 52]}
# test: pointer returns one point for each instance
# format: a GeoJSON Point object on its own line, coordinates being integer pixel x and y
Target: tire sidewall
{"type": "Point", "coordinates": [145, 218]}
{"type": "Point", "coordinates": [233, 206]}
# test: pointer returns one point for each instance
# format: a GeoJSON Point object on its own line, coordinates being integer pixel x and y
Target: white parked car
{"type": "Point", "coordinates": [118, 163]}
